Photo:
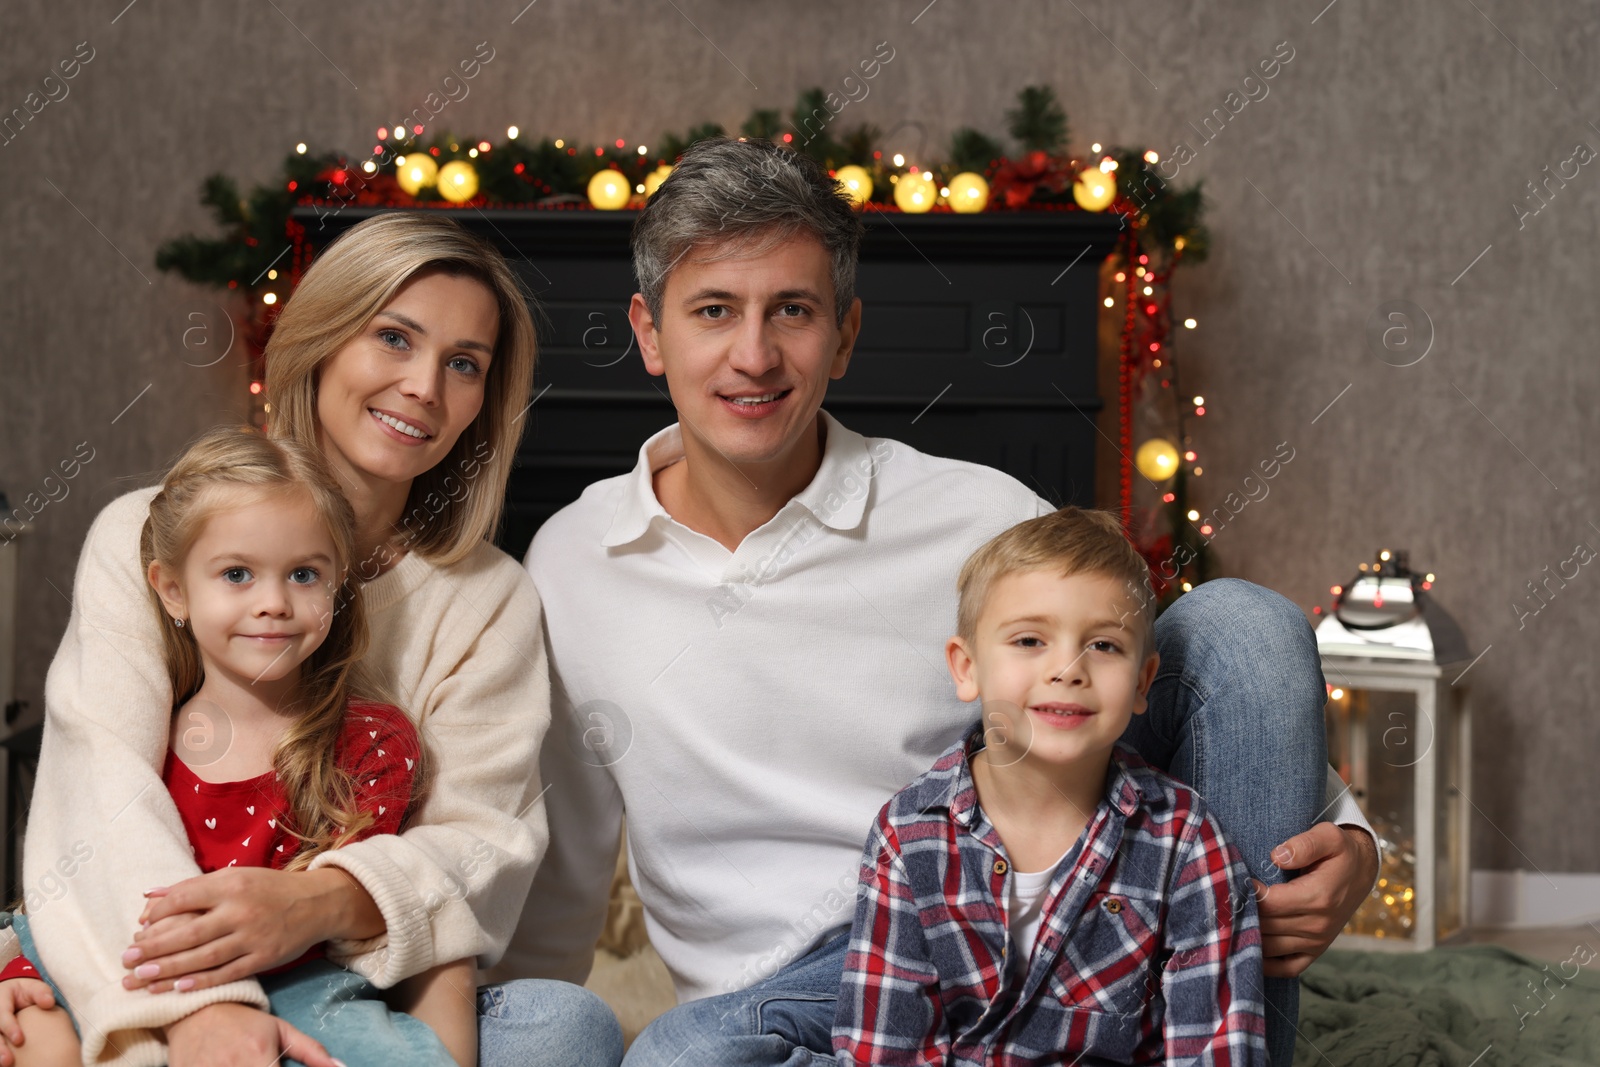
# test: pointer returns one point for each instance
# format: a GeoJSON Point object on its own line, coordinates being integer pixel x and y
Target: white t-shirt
{"type": "Point", "coordinates": [1025, 907]}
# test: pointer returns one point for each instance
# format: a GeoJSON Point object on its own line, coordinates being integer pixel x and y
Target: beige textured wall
{"type": "Point", "coordinates": [1386, 157]}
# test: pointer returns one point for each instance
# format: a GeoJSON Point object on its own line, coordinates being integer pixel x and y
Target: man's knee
{"type": "Point", "coordinates": [689, 1033]}
{"type": "Point", "coordinates": [1248, 624]}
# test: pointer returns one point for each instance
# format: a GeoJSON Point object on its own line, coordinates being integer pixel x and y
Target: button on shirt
{"type": "Point", "coordinates": [752, 710]}
{"type": "Point", "coordinates": [1149, 949]}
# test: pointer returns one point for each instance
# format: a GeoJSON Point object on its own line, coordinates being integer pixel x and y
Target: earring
{"type": "Point", "coordinates": [179, 622]}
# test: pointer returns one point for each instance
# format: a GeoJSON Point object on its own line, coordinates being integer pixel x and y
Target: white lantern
{"type": "Point", "coordinates": [1400, 734]}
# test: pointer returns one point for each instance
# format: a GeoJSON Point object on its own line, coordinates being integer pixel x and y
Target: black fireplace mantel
{"type": "Point", "coordinates": [978, 341]}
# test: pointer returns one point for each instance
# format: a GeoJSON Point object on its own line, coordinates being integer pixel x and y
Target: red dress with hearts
{"type": "Point", "coordinates": [239, 824]}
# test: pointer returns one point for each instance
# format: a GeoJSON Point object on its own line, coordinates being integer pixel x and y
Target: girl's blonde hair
{"type": "Point", "coordinates": [349, 283]}
{"type": "Point", "coordinates": [225, 468]}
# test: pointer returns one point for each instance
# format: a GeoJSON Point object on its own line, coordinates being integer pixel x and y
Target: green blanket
{"type": "Point", "coordinates": [1472, 1006]}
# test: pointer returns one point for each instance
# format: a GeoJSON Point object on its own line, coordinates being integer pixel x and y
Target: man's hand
{"type": "Point", "coordinates": [230, 924]}
{"type": "Point", "coordinates": [237, 1035]}
{"type": "Point", "coordinates": [1300, 918]}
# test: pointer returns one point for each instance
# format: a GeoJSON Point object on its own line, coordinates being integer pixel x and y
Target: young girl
{"type": "Point", "coordinates": [281, 744]}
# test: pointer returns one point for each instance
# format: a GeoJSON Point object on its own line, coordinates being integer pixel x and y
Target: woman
{"type": "Point", "coordinates": [406, 358]}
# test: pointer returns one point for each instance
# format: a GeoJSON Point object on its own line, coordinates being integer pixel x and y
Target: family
{"type": "Point", "coordinates": [911, 772]}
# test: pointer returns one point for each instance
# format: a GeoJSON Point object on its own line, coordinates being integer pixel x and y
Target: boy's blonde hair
{"type": "Point", "coordinates": [1070, 540]}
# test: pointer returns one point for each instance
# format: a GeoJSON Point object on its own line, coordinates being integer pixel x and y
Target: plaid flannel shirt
{"type": "Point", "coordinates": [1149, 951]}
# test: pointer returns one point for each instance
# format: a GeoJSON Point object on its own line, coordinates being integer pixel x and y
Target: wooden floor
{"type": "Point", "coordinates": [1543, 942]}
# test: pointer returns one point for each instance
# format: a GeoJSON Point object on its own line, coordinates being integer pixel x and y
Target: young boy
{"type": "Point", "coordinates": [1042, 895]}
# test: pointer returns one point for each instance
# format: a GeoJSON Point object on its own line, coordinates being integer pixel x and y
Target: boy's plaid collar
{"type": "Point", "coordinates": [1126, 772]}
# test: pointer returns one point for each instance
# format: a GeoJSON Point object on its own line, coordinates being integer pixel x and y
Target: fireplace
{"type": "Point", "coordinates": [978, 342]}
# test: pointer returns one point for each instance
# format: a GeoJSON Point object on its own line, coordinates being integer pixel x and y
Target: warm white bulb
{"type": "Point", "coordinates": [370, 167]}
{"type": "Point", "coordinates": [269, 298]}
{"type": "Point", "coordinates": [899, 160]}
{"type": "Point", "coordinates": [1095, 147]}
{"type": "Point", "coordinates": [1110, 302]}
{"type": "Point", "coordinates": [643, 151]}
{"type": "Point", "coordinates": [639, 188]}
{"type": "Point", "coordinates": [301, 148]}
{"type": "Point", "coordinates": [399, 133]}
{"type": "Point", "coordinates": [1193, 515]}
{"type": "Point", "coordinates": [560, 143]}
{"type": "Point", "coordinates": [1148, 291]}
{"type": "Point", "coordinates": [1199, 401]}
{"type": "Point", "coordinates": [272, 275]}
{"type": "Point", "coordinates": [473, 152]}
{"type": "Point", "coordinates": [511, 132]}
{"type": "Point", "coordinates": [1152, 156]}
{"type": "Point", "coordinates": [1190, 323]}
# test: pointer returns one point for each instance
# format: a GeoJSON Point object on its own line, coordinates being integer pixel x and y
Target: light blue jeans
{"type": "Point", "coordinates": [1235, 712]}
{"type": "Point", "coordinates": [525, 1023]}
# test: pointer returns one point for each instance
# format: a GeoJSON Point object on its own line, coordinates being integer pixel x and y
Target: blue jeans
{"type": "Point", "coordinates": [539, 1022]}
{"type": "Point", "coordinates": [527, 1023]}
{"type": "Point", "coordinates": [1235, 712]}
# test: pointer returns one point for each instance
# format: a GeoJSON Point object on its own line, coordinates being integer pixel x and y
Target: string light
{"type": "Point", "coordinates": [899, 160]}
{"type": "Point", "coordinates": [512, 131]}
{"type": "Point", "coordinates": [1190, 324]}
{"type": "Point", "coordinates": [300, 148]}
{"type": "Point", "coordinates": [269, 298]}
{"type": "Point", "coordinates": [1110, 302]}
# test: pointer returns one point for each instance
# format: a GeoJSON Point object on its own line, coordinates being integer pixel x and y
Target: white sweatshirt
{"type": "Point", "coordinates": [462, 649]}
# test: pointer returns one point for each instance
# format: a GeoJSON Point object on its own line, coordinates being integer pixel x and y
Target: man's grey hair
{"type": "Point", "coordinates": [728, 198]}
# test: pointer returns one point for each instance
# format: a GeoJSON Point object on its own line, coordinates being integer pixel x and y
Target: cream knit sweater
{"type": "Point", "coordinates": [463, 650]}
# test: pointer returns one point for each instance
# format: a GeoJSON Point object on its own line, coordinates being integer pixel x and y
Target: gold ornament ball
{"type": "Point", "coordinates": [856, 181]}
{"type": "Point", "coordinates": [609, 190]}
{"type": "Point", "coordinates": [653, 180]}
{"type": "Point", "coordinates": [417, 172]}
{"type": "Point", "coordinates": [969, 193]}
{"type": "Point", "coordinates": [1094, 190]}
{"type": "Point", "coordinates": [1157, 459]}
{"type": "Point", "coordinates": [458, 182]}
{"type": "Point", "coordinates": [915, 193]}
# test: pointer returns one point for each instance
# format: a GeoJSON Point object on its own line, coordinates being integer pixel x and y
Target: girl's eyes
{"type": "Point", "coordinates": [397, 339]}
{"type": "Point", "coordinates": [240, 575]}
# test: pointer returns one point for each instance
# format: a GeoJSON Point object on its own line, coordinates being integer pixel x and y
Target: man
{"type": "Point", "coordinates": [744, 638]}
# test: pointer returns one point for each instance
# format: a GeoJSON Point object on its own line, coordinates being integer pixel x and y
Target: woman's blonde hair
{"type": "Point", "coordinates": [348, 284]}
{"type": "Point", "coordinates": [222, 470]}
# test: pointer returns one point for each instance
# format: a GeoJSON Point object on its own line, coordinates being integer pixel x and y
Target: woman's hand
{"type": "Point", "coordinates": [233, 923]}
{"type": "Point", "coordinates": [1300, 918]}
{"type": "Point", "coordinates": [237, 1035]}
